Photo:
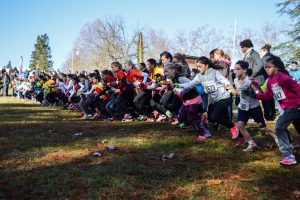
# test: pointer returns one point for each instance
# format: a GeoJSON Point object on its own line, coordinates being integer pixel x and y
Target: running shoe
{"type": "Point", "coordinates": [240, 143]}
{"type": "Point", "coordinates": [234, 132]}
{"type": "Point", "coordinates": [289, 160]}
{"type": "Point", "coordinates": [251, 146]}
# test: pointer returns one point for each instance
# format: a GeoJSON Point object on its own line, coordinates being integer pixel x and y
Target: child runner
{"type": "Point", "coordinates": [248, 106]}
{"type": "Point", "coordinates": [214, 84]}
{"type": "Point", "coordinates": [287, 92]}
{"type": "Point", "coordinates": [190, 109]}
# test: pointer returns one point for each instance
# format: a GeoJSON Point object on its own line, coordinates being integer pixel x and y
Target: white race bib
{"type": "Point", "coordinates": [244, 105]}
{"type": "Point", "coordinates": [210, 86]}
{"type": "Point", "coordinates": [136, 83]}
{"type": "Point", "coordinates": [278, 92]}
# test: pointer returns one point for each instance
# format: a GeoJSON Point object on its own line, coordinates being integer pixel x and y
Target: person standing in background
{"type": "Point", "coordinates": [295, 71]}
{"type": "Point", "coordinates": [6, 82]}
{"type": "Point", "coordinates": [269, 105]}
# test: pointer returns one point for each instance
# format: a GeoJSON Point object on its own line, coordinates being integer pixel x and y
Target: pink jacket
{"type": "Point", "coordinates": [284, 88]}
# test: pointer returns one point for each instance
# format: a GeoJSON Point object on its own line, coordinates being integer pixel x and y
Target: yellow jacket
{"type": "Point", "coordinates": [49, 86]}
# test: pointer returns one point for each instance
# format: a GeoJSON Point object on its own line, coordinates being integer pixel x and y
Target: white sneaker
{"type": "Point", "coordinates": [251, 146]}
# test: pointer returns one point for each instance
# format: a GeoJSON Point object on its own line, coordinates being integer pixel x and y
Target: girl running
{"type": "Point", "coordinates": [215, 85]}
{"type": "Point", "coordinates": [190, 109]}
{"type": "Point", "coordinates": [248, 105]}
{"type": "Point", "coordinates": [287, 92]}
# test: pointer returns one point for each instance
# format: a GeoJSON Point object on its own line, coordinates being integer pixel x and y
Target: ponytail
{"type": "Point", "coordinates": [204, 60]}
{"type": "Point", "coordinates": [277, 62]}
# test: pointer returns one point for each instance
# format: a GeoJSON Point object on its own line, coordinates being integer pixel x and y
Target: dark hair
{"type": "Point", "coordinates": [75, 79]}
{"type": "Point", "coordinates": [244, 65]}
{"type": "Point", "coordinates": [152, 61]}
{"type": "Point", "coordinates": [167, 54]}
{"type": "Point", "coordinates": [117, 64]}
{"type": "Point", "coordinates": [130, 63]}
{"type": "Point", "coordinates": [70, 75]}
{"type": "Point", "coordinates": [246, 43]}
{"type": "Point", "coordinates": [143, 65]}
{"type": "Point", "coordinates": [91, 75]}
{"type": "Point", "coordinates": [97, 77]}
{"type": "Point", "coordinates": [96, 71]}
{"type": "Point", "coordinates": [277, 62]}
{"type": "Point", "coordinates": [107, 72]}
{"type": "Point", "coordinates": [180, 57]}
{"type": "Point", "coordinates": [175, 66]}
{"type": "Point", "coordinates": [204, 60]}
{"type": "Point", "coordinates": [267, 47]}
{"type": "Point", "coordinates": [81, 76]}
{"type": "Point", "coordinates": [212, 52]}
{"type": "Point", "coordinates": [294, 62]}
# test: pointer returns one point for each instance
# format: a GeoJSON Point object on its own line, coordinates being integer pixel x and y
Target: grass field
{"type": "Point", "coordinates": [42, 159]}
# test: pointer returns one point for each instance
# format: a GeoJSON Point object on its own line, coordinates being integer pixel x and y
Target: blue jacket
{"type": "Point", "coordinates": [295, 73]}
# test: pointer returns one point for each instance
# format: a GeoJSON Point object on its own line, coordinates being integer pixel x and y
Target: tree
{"type": "Point", "coordinates": [41, 56]}
{"type": "Point", "coordinates": [8, 66]}
{"type": "Point", "coordinates": [104, 41]}
{"type": "Point", "coordinates": [292, 45]}
{"type": "Point", "coordinates": [155, 42]}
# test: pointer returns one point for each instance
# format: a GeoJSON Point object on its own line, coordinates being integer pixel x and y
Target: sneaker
{"type": "Point", "coordinates": [175, 121]}
{"type": "Point", "coordinates": [182, 125]}
{"type": "Point", "coordinates": [288, 160]}
{"type": "Point", "coordinates": [207, 133]}
{"type": "Point", "coordinates": [251, 146]}
{"type": "Point", "coordinates": [141, 118]}
{"type": "Point", "coordinates": [201, 138]}
{"type": "Point", "coordinates": [240, 143]}
{"type": "Point", "coordinates": [149, 119]}
{"type": "Point", "coordinates": [161, 118]}
{"type": "Point", "coordinates": [234, 132]}
{"type": "Point", "coordinates": [156, 114]}
{"type": "Point", "coordinates": [169, 114]}
{"type": "Point", "coordinates": [127, 118]}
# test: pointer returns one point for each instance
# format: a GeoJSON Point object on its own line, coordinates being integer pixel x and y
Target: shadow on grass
{"type": "Point", "coordinates": [45, 161]}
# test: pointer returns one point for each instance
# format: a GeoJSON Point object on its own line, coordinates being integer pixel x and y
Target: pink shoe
{"type": "Point", "coordinates": [155, 113]}
{"type": "Point", "coordinates": [161, 118]}
{"type": "Point", "coordinates": [175, 121]}
{"type": "Point", "coordinates": [201, 138]}
{"type": "Point", "coordinates": [150, 119]}
{"type": "Point", "coordinates": [234, 132]}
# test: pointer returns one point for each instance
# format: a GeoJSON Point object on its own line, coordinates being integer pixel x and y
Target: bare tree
{"type": "Point", "coordinates": [102, 42]}
{"type": "Point", "coordinates": [155, 42]}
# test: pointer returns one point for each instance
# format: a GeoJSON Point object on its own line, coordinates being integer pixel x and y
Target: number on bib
{"type": "Point", "coordinates": [278, 92]}
{"type": "Point", "coordinates": [210, 86]}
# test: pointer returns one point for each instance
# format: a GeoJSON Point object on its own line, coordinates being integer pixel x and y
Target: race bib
{"type": "Point", "coordinates": [278, 92]}
{"type": "Point", "coordinates": [136, 83]}
{"type": "Point", "coordinates": [244, 105]}
{"type": "Point", "coordinates": [210, 86]}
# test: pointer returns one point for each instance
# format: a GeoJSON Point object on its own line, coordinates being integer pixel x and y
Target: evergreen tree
{"type": "Point", "coordinates": [41, 56]}
{"type": "Point", "coordinates": [8, 66]}
{"type": "Point", "coordinates": [292, 46]}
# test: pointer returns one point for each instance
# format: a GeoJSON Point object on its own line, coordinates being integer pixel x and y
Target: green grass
{"type": "Point", "coordinates": [41, 159]}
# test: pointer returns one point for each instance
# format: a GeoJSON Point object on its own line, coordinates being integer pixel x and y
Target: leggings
{"type": "Point", "coordinates": [141, 100]}
{"type": "Point", "coordinates": [124, 102]}
{"type": "Point", "coordinates": [220, 112]}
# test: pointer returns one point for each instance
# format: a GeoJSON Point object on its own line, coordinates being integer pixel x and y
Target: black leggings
{"type": "Point", "coordinates": [142, 102]}
{"type": "Point", "coordinates": [169, 101]}
{"type": "Point", "coordinates": [269, 109]}
{"type": "Point", "coordinates": [124, 103]}
{"type": "Point", "coordinates": [220, 112]}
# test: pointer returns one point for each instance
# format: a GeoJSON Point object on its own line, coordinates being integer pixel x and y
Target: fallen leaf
{"type": "Point", "coordinates": [214, 182]}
